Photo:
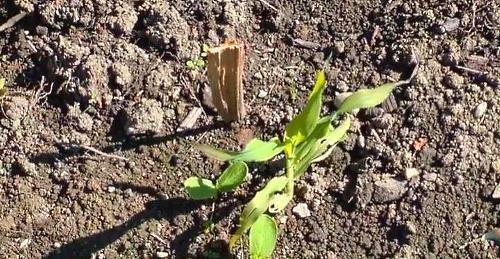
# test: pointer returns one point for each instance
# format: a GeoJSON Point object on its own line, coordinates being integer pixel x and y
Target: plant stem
{"type": "Point", "coordinates": [290, 173]}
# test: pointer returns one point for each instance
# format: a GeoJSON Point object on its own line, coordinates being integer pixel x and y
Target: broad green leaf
{"type": "Point", "coordinates": [279, 202]}
{"type": "Point", "coordinates": [257, 206]}
{"type": "Point", "coordinates": [493, 235]}
{"type": "Point", "coordinates": [366, 98]}
{"type": "Point", "coordinates": [232, 177]}
{"type": "Point", "coordinates": [255, 151]}
{"type": "Point", "coordinates": [303, 124]}
{"type": "Point", "coordinates": [263, 236]}
{"type": "Point", "coordinates": [200, 189]}
{"type": "Point", "coordinates": [323, 143]}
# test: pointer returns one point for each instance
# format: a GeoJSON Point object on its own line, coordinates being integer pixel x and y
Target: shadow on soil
{"type": "Point", "coordinates": [67, 150]}
{"type": "Point", "coordinates": [85, 247]}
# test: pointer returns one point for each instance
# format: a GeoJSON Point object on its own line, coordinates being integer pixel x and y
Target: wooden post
{"type": "Point", "coordinates": [225, 74]}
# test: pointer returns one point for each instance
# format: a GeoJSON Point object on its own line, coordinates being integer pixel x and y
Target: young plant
{"type": "Point", "coordinates": [308, 138]}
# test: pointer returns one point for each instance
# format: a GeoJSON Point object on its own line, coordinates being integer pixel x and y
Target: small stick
{"type": "Point", "coordinates": [269, 5]}
{"type": "Point", "coordinates": [306, 44]}
{"type": "Point", "coordinates": [96, 151]}
{"type": "Point", "coordinates": [158, 238]}
{"type": "Point", "coordinates": [470, 70]}
{"type": "Point", "coordinates": [12, 21]}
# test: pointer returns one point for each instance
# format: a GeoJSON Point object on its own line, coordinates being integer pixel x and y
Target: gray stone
{"type": "Point", "coordinates": [388, 190]}
{"type": "Point", "coordinates": [431, 177]}
{"type": "Point", "coordinates": [301, 210]}
{"type": "Point", "coordinates": [480, 110]}
{"type": "Point", "coordinates": [496, 193]}
{"type": "Point", "coordinates": [411, 172]}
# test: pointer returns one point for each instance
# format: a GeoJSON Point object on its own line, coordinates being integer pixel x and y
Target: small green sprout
{"type": "Point", "coordinates": [308, 138]}
{"type": "Point", "coordinates": [202, 189]}
{"type": "Point", "coordinates": [195, 64]}
{"type": "Point", "coordinates": [198, 63]}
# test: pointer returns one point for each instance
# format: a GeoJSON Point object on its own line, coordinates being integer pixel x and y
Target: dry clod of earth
{"type": "Point", "coordinates": [117, 65]}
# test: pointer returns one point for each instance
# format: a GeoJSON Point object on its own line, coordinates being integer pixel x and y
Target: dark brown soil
{"type": "Point", "coordinates": [111, 75]}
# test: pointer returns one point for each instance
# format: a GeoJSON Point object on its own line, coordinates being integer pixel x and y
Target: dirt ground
{"type": "Point", "coordinates": [92, 155]}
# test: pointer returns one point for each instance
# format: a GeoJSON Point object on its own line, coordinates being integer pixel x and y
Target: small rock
{"type": "Point", "coordinates": [451, 24]}
{"type": "Point", "coordinates": [411, 172]}
{"type": "Point", "coordinates": [342, 86]}
{"type": "Point", "coordinates": [262, 93]}
{"type": "Point", "coordinates": [121, 74]}
{"type": "Point", "coordinates": [258, 75]}
{"type": "Point", "coordinates": [144, 117]}
{"type": "Point", "coordinates": [339, 47]}
{"type": "Point", "coordinates": [301, 210]}
{"type": "Point", "coordinates": [207, 97]}
{"type": "Point", "coordinates": [412, 229]}
{"type": "Point", "coordinates": [496, 193]}
{"type": "Point", "coordinates": [453, 81]}
{"type": "Point", "coordinates": [162, 254]}
{"type": "Point", "coordinates": [388, 190]}
{"type": "Point", "coordinates": [431, 177]}
{"type": "Point", "coordinates": [111, 189]}
{"type": "Point", "coordinates": [480, 110]}
{"type": "Point", "coordinates": [27, 167]}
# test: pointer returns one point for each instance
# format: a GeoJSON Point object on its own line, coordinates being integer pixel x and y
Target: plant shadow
{"type": "Point", "coordinates": [67, 150]}
{"type": "Point", "coordinates": [85, 247]}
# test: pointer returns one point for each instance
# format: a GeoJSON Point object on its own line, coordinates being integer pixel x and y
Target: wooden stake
{"type": "Point", "coordinates": [225, 74]}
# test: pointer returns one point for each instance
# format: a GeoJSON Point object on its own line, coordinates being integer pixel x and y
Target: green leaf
{"type": "Point", "coordinates": [279, 202]}
{"type": "Point", "coordinates": [367, 98]}
{"type": "Point", "coordinates": [303, 124]}
{"type": "Point", "coordinates": [255, 151]}
{"type": "Point", "coordinates": [200, 189]}
{"type": "Point", "coordinates": [493, 235]}
{"type": "Point", "coordinates": [263, 236]}
{"type": "Point", "coordinates": [232, 177]}
{"type": "Point", "coordinates": [257, 206]}
{"type": "Point", "coordinates": [320, 144]}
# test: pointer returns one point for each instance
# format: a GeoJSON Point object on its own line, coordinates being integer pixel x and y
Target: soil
{"type": "Point", "coordinates": [414, 179]}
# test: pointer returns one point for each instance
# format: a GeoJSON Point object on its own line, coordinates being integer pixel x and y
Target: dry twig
{"type": "Point", "coordinates": [12, 21]}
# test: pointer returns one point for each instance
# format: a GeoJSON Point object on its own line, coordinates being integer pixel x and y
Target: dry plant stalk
{"type": "Point", "coordinates": [225, 74]}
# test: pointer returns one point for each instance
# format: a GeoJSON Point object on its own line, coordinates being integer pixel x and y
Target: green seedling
{"type": "Point", "coordinates": [195, 64]}
{"type": "Point", "coordinates": [198, 63]}
{"type": "Point", "coordinates": [308, 138]}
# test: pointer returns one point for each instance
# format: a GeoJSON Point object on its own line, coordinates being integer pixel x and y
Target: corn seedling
{"type": "Point", "coordinates": [308, 138]}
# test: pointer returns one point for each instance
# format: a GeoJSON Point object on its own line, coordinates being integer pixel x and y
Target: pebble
{"type": "Point", "coordinates": [301, 210]}
{"type": "Point", "coordinates": [342, 86]}
{"type": "Point", "coordinates": [262, 93]}
{"type": "Point", "coordinates": [144, 117]}
{"type": "Point", "coordinates": [258, 75]}
{"type": "Point", "coordinates": [431, 177]}
{"type": "Point", "coordinates": [111, 189]}
{"type": "Point", "coordinates": [480, 110]}
{"type": "Point", "coordinates": [411, 172]}
{"type": "Point", "coordinates": [27, 167]}
{"type": "Point", "coordinates": [451, 24]}
{"type": "Point", "coordinates": [339, 47]}
{"type": "Point", "coordinates": [162, 254]}
{"type": "Point", "coordinates": [388, 190]}
{"type": "Point", "coordinates": [496, 193]}
{"type": "Point", "coordinates": [412, 229]}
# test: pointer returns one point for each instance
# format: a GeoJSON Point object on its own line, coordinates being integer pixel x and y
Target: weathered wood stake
{"type": "Point", "coordinates": [225, 74]}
